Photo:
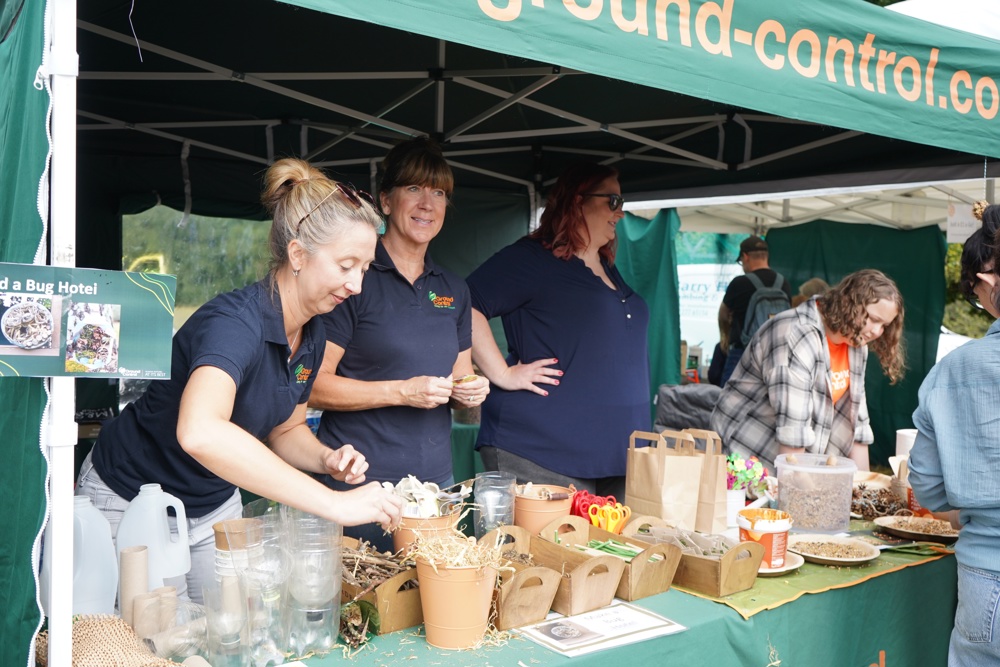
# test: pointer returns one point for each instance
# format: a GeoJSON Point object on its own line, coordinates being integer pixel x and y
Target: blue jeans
{"type": "Point", "coordinates": [732, 361]}
{"type": "Point", "coordinates": [201, 536]}
{"type": "Point", "coordinates": [975, 640]}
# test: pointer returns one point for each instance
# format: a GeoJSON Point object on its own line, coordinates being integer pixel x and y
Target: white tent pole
{"type": "Point", "coordinates": [61, 427]}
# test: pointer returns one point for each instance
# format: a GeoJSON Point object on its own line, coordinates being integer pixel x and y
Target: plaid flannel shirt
{"type": "Point", "coordinates": [781, 393]}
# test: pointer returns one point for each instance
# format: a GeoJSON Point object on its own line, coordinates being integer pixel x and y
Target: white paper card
{"type": "Point", "coordinates": [618, 624]}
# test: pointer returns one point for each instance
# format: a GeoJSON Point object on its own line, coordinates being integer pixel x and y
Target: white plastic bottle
{"type": "Point", "coordinates": [95, 563]}
{"type": "Point", "coordinates": [145, 522]}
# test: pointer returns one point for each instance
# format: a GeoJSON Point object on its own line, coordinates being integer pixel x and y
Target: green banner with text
{"type": "Point", "coordinates": [85, 322]}
{"type": "Point", "coordinates": [844, 63]}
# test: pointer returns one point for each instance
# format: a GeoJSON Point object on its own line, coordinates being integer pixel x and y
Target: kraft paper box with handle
{"type": "Point", "coordinates": [663, 479]}
{"type": "Point", "coordinates": [712, 485]}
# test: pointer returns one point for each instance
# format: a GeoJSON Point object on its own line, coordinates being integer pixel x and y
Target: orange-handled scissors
{"type": "Point", "coordinates": [626, 513]}
{"type": "Point", "coordinates": [607, 517]}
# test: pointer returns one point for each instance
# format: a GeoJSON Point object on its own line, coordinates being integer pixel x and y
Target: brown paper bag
{"type": "Point", "coordinates": [712, 485]}
{"type": "Point", "coordinates": [663, 480]}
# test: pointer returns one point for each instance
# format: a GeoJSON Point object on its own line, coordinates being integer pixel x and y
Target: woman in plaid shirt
{"type": "Point", "coordinates": [800, 386]}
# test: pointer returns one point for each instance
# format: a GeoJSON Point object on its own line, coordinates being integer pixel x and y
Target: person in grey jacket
{"type": "Point", "coordinates": [800, 385]}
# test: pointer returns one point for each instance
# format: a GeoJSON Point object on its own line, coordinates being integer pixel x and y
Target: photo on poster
{"type": "Point", "coordinates": [566, 632]}
{"type": "Point", "coordinates": [92, 337]}
{"type": "Point", "coordinates": [30, 324]}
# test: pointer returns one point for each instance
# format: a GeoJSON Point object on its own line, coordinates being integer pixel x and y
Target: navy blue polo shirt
{"type": "Point", "coordinates": [243, 334]}
{"type": "Point", "coordinates": [555, 308]}
{"type": "Point", "coordinates": [394, 330]}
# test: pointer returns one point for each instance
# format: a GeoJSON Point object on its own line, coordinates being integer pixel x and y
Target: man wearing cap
{"type": "Point", "coordinates": [753, 258]}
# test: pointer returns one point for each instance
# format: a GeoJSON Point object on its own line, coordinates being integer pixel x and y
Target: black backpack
{"type": "Point", "coordinates": [765, 303]}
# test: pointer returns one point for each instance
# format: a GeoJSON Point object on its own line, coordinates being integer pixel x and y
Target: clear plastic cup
{"type": "Point", "coordinates": [494, 495]}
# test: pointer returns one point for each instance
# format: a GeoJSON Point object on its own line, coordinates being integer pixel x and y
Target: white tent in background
{"type": "Point", "coordinates": [980, 17]}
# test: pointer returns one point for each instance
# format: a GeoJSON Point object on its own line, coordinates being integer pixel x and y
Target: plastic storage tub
{"type": "Point", "coordinates": [815, 489]}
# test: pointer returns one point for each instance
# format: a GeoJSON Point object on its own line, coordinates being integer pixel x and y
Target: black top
{"type": "Point", "coordinates": [243, 334]}
{"type": "Point", "coordinates": [395, 330]}
{"type": "Point", "coordinates": [737, 299]}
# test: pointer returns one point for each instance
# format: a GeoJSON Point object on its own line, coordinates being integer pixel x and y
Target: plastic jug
{"type": "Point", "coordinates": [145, 523]}
{"type": "Point", "coordinates": [95, 565]}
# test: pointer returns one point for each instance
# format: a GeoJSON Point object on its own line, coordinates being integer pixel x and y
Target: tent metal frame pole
{"type": "Point", "coordinates": [61, 429]}
{"type": "Point", "coordinates": [951, 192]}
{"type": "Point", "coordinates": [639, 153]}
{"type": "Point", "coordinates": [249, 79]}
{"type": "Point", "coordinates": [802, 148]}
{"type": "Point", "coordinates": [592, 124]}
{"type": "Point", "coordinates": [320, 76]}
{"type": "Point", "coordinates": [352, 132]}
{"type": "Point", "coordinates": [509, 101]}
{"type": "Point", "coordinates": [176, 125]}
{"type": "Point", "coordinates": [439, 89]}
{"type": "Point", "coordinates": [173, 137]}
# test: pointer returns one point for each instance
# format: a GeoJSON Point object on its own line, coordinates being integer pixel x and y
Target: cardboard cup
{"type": "Point", "coordinates": [769, 528]}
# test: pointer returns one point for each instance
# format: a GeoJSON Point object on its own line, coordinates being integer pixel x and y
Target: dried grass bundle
{"type": "Point", "coordinates": [454, 549]}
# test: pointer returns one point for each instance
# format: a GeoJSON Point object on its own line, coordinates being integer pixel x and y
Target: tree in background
{"type": "Point", "coordinates": [959, 315]}
{"type": "Point", "coordinates": [209, 256]}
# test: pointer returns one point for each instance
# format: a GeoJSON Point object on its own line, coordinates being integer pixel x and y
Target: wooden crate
{"type": "Point", "coordinates": [586, 582]}
{"type": "Point", "coordinates": [734, 571]}
{"type": "Point", "coordinates": [397, 609]}
{"type": "Point", "coordinates": [643, 576]}
{"type": "Point", "coordinates": [524, 592]}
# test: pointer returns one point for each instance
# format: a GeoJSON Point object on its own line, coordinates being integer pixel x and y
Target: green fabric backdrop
{"type": "Point", "coordinates": [647, 260]}
{"type": "Point", "coordinates": [915, 260]}
{"type": "Point", "coordinates": [23, 148]}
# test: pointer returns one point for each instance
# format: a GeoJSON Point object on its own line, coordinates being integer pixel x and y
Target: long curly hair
{"type": "Point", "coordinates": [563, 229]}
{"type": "Point", "coordinates": [844, 310]}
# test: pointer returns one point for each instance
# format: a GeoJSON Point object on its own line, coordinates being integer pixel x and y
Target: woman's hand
{"type": "Point", "coordinates": [470, 393]}
{"type": "Point", "coordinates": [529, 376]}
{"type": "Point", "coordinates": [345, 464]}
{"type": "Point", "coordinates": [425, 392]}
{"type": "Point", "coordinates": [370, 503]}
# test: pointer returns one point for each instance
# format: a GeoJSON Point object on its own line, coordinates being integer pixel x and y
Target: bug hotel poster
{"type": "Point", "coordinates": [63, 321]}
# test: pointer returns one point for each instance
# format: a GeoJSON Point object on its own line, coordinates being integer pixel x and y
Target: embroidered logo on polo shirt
{"type": "Point", "coordinates": [302, 374]}
{"type": "Point", "coordinates": [441, 301]}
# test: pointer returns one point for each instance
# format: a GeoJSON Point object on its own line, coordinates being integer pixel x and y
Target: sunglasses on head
{"type": "Point", "coordinates": [615, 201]}
{"type": "Point", "coordinates": [356, 197]}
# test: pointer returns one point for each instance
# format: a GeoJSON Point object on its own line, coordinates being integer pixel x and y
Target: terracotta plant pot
{"type": "Point", "coordinates": [456, 603]}
{"type": "Point", "coordinates": [411, 527]}
{"type": "Point", "coordinates": [533, 514]}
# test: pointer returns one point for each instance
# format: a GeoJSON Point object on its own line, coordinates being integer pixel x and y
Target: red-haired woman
{"type": "Point", "coordinates": [575, 383]}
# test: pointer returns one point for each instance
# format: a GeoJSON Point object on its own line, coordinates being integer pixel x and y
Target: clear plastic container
{"type": "Point", "coordinates": [815, 489]}
{"type": "Point", "coordinates": [145, 522]}
{"type": "Point", "coordinates": [95, 566]}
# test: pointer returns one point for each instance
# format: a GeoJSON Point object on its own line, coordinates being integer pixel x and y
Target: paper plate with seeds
{"type": "Point", "coordinates": [922, 529]}
{"type": "Point", "coordinates": [831, 550]}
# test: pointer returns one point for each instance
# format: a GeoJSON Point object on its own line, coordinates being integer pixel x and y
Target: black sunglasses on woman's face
{"type": "Point", "coordinates": [615, 201]}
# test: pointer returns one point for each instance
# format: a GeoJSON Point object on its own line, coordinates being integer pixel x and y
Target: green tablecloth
{"type": "Point", "coordinates": [465, 460]}
{"type": "Point", "coordinates": [772, 592]}
{"type": "Point", "coordinates": [901, 618]}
